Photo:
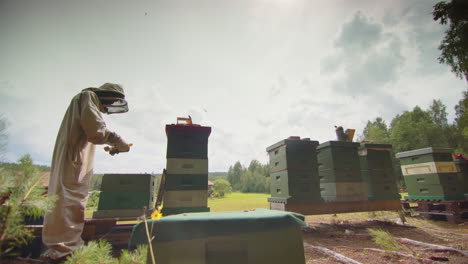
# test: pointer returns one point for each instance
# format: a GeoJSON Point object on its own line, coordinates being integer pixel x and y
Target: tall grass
{"type": "Point", "coordinates": [230, 202]}
{"type": "Point", "coordinates": [383, 239]}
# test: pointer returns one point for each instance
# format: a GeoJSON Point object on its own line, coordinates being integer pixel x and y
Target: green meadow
{"type": "Point", "coordinates": [231, 202]}
{"type": "Point", "coordinates": [239, 201]}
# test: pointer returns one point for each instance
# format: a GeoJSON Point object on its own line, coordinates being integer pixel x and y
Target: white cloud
{"type": "Point", "coordinates": [255, 71]}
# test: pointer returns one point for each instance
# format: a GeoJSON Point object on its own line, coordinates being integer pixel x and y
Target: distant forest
{"type": "Point", "coordinates": [96, 180]}
{"type": "Point", "coordinates": [420, 128]}
{"type": "Point", "coordinates": [17, 166]}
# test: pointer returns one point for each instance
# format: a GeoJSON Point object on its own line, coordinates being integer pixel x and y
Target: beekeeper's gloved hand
{"type": "Point", "coordinates": [119, 143]}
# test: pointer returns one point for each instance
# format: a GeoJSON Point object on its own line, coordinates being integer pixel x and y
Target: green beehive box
{"type": "Point", "coordinates": [127, 183]}
{"type": "Point", "coordinates": [304, 195]}
{"type": "Point", "coordinates": [249, 237]}
{"type": "Point", "coordinates": [435, 192]}
{"type": "Point", "coordinates": [293, 154]}
{"type": "Point", "coordinates": [187, 166]}
{"type": "Point", "coordinates": [384, 197]}
{"type": "Point", "coordinates": [119, 213]}
{"type": "Point", "coordinates": [375, 156]}
{"type": "Point", "coordinates": [430, 174]}
{"type": "Point", "coordinates": [462, 166]}
{"type": "Point", "coordinates": [293, 162]}
{"type": "Point", "coordinates": [125, 200]}
{"type": "Point", "coordinates": [313, 198]}
{"type": "Point", "coordinates": [193, 198]}
{"type": "Point", "coordinates": [435, 178]}
{"type": "Point", "coordinates": [378, 176]}
{"type": "Point", "coordinates": [176, 182]}
{"type": "Point", "coordinates": [181, 210]}
{"type": "Point", "coordinates": [302, 191]}
{"type": "Point", "coordinates": [382, 191]}
{"type": "Point", "coordinates": [187, 141]}
{"type": "Point", "coordinates": [340, 175]}
{"type": "Point", "coordinates": [294, 176]}
{"type": "Point", "coordinates": [338, 155]}
{"type": "Point", "coordinates": [425, 155]}
{"type": "Point", "coordinates": [343, 191]}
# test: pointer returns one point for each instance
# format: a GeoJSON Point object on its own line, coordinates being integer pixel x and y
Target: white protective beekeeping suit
{"type": "Point", "coordinates": [72, 164]}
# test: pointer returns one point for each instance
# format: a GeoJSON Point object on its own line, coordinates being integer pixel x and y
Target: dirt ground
{"type": "Point", "coordinates": [347, 234]}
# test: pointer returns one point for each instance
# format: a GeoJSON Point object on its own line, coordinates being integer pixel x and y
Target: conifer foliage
{"type": "Point", "coordinates": [21, 195]}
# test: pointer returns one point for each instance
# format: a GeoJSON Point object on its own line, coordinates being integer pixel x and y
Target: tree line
{"type": "Point", "coordinates": [252, 179]}
{"type": "Point", "coordinates": [18, 167]}
{"type": "Point", "coordinates": [421, 128]}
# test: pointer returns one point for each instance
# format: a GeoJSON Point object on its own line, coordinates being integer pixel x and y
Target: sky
{"type": "Point", "coordinates": [256, 71]}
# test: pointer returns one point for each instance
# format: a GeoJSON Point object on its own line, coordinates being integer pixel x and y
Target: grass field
{"type": "Point", "coordinates": [231, 202]}
{"type": "Point", "coordinates": [239, 201]}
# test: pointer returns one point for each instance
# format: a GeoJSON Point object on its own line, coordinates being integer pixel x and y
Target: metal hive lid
{"type": "Point", "coordinates": [423, 151]}
{"type": "Point", "coordinates": [288, 141]}
{"type": "Point", "coordinates": [338, 144]}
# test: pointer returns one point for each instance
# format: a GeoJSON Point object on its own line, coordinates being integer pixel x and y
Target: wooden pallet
{"type": "Point", "coordinates": [110, 229]}
{"type": "Point", "coordinates": [454, 212]}
{"type": "Point", "coordinates": [118, 234]}
{"type": "Point", "coordinates": [338, 207]}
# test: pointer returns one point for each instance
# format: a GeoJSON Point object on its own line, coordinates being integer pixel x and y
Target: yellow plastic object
{"type": "Point", "coordinates": [187, 121]}
{"type": "Point", "coordinates": [156, 215]}
{"type": "Point", "coordinates": [350, 133]}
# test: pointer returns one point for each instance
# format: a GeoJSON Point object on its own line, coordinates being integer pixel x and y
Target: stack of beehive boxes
{"type": "Point", "coordinates": [186, 188]}
{"type": "Point", "coordinates": [125, 195]}
{"type": "Point", "coordinates": [294, 171]}
{"type": "Point", "coordinates": [377, 172]}
{"type": "Point", "coordinates": [340, 171]}
{"type": "Point", "coordinates": [430, 174]}
{"type": "Point", "coordinates": [462, 167]}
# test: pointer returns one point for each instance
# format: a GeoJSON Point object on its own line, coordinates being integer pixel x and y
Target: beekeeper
{"type": "Point", "coordinates": [72, 164]}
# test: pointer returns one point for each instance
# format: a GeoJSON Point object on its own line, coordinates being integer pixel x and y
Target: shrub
{"type": "Point", "coordinates": [221, 187]}
{"type": "Point", "coordinates": [100, 252]}
{"type": "Point", "coordinates": [20, 195]}
{"type": "Point", "coordinates": [94, 252]}
{"type": "Point", "coordinates": [93, 199]}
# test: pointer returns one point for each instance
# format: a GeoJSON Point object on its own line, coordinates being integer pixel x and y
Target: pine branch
{"type": "Point", "coordinates": [4, 229]}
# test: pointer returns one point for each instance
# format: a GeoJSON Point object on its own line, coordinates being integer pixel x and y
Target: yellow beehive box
{"type": "Point", "coordinates": [195, 198]}
{"type": "Point", "coordinates": [187, 166]}
{"type": "Point", "coordinates": [429, 168]}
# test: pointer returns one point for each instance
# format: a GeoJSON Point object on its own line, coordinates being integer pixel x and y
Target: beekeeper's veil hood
{"type": "Point", "coordinates": [112, 98]}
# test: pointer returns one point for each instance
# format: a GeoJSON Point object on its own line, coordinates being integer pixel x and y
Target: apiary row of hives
{"type": "Point", "coordinates": [302, 171]}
